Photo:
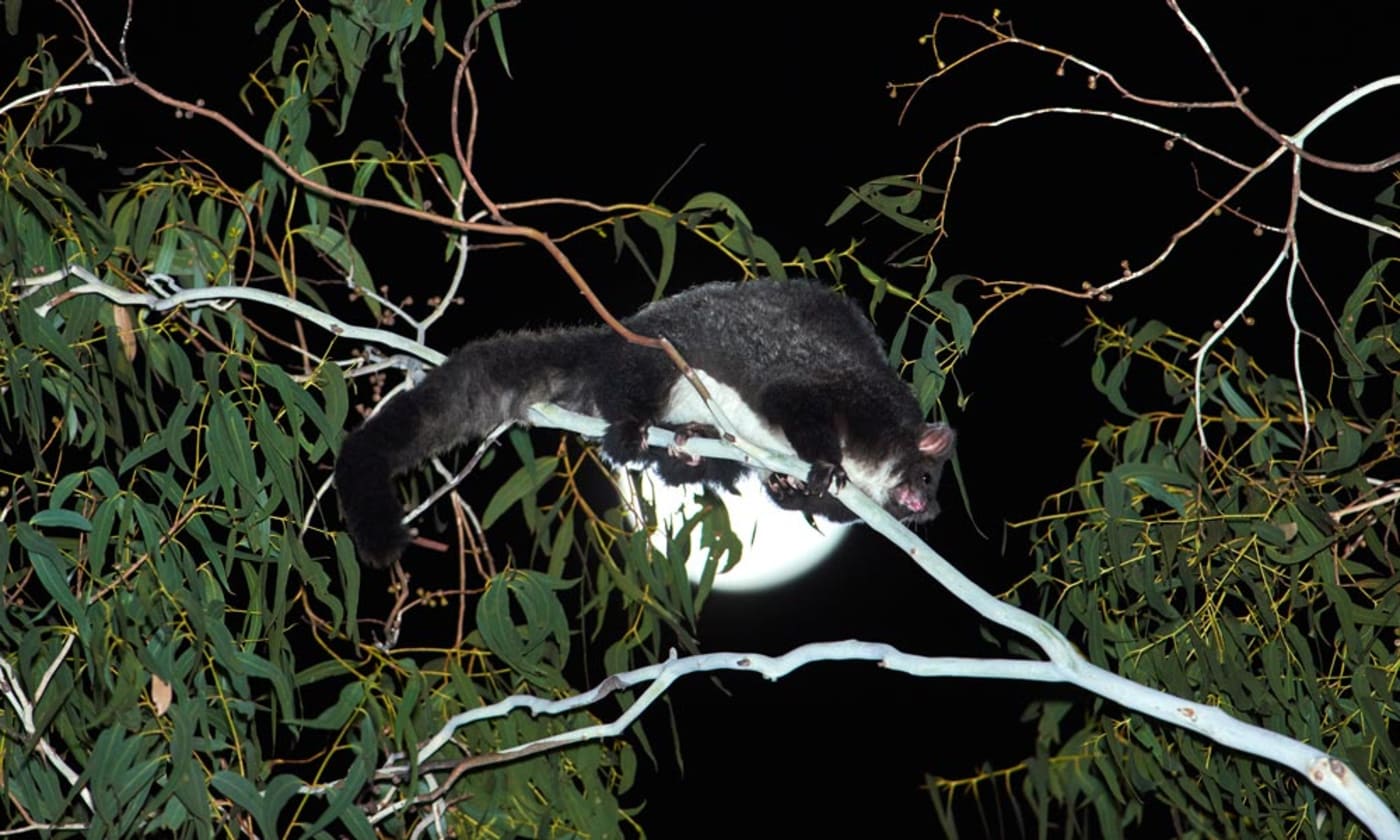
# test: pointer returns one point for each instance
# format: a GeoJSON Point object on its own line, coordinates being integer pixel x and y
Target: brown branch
{"type": "Point", "coordinates": [1260, 226]}
{"type": "Point", "coordinates": [1172, 136]}
{"type": "Point", "coordinates": [498, 229]}
{"type": "Point", "coordinates": [434, 171]}
{"type": "Point", "coordinates": [1279, 137]}
{"type": "Point", "coordinates": [464, 75]}
{"type": "Point", "coordinates": [1008, 38]}
{"type": "Point", "coordinates": [1236, 102]}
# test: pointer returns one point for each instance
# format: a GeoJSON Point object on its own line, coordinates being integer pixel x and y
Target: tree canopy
{"type": "Point", "coordinates": [197, 299]}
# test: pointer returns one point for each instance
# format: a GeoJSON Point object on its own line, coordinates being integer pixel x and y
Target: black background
{"type": "Point", "coordinates": [788, 106]}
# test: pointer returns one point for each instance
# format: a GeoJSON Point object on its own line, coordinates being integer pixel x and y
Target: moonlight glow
{"type": "Point", "coordinates": [779, 545]}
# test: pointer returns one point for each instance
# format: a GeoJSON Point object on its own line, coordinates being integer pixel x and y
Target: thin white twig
{"type": "Point", "coordinates": [1338, 515]}
{"type": "Point", "coordinates": [1294, 265]}
{"type": "Point", "coordinates": [1290, 145]}
{"type": "Point", "coordinates": [1201, 354]}
{"type": "Point", "coordinates": [73, 826]}
{"type": "Point", "coordinates": [451, 479]}
{"type": "Point", "coordinates": [1342, 214]}
{"type": "Point", "coordinates": [1290, 246]}
{"type": "Point", "coordinates": [447, 297]}
{"type": "Point", "coordinates": [53, 667]}
{"type": "Point", "coordinates": [374, 295]}
{"type": "Point", "coordinates": [1172, 134]}
{"type": "Point", "coordinates": [57, 89]}
{"type": "Point", "coordinates": [24, 710]}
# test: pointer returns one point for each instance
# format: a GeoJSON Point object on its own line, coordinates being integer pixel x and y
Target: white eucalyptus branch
{"type": "Point", "coordinates": [1318, 768]}
{"type": "Point", "coordinates": [1343, 102]}
{"type": "Point", "coordinates": [1170, 133]}
{"type": "Point", "coordinates": [43, 827]}
{"type": "Point", "coordinates": [457, 274]}
{"type": "Point", "coordinates": [92, 285]}
{"type": "Point", "coordinates": [1295, 264]}
{"type": "Point", "coordinates": [1345, 216]}
{"type": "Point", "coordinates": [1290, 247]}
{"type": "Point", "coordinates": [54, 666]}
{"type": "Point", "coordinates": [1218, 333]}
{"type": "Point", "coordinates": [59, 89]}
{"type": "Point", "coordinates": [12, 691]}
{"type": "Point", "coordinates": [1065, 663]}
{"type": "Point", "coordinates": [770, 667]}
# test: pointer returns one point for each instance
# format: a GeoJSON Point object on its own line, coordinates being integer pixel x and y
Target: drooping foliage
{"type": "Point", "coordinates": [188, 646]}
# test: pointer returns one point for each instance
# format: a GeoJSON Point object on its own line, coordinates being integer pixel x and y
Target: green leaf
{"type": "Point", "coordinates": [1154, 480]}
{"type": "Point", "coordinates": [60, 519]}
{"type": "Point", "coordinates": [1347, 453]}
{"type": "Point", "coordinates": [100, 545]}
{"type": "Point", "coordinates": [279, 44]}
{"type": "Point", "coordinates": [524, 482]}
{"type": "Point", "coordinates": [665, 227]}
{"type": "Point", "coordinates": [246, 796]}
{"type": "Point", "coordinates": [39, 332]}
{"type": "Point", "coordinates": [498, 36]}
{"type": "Point", "coordinates": [172, 437]}
{"type": "Point", "coordinates": [230, 449]}
{"type": "Point", "coordinates": [334, 718]}
{"type": "Point", "coordinates": [407, 706]}
{"type": "Point", "coordinates": [350, 47]}
{"type": "Point", "coordinates": [959, 318]}
{"type": "Point", "coordinates": [52, 570]}
{"type": "Point", "coordinates": [1235, 401]}
{"type": "Point", "coordinates": [153, 209]}
{"type": "Point", "coordinates": [341, 803]}
{"type": "Point", "coordinates": [536, 648]}
{"type": "Point", "coordinates": [335, 245]}
{"type": "Point", "coordinates": [894, 197]}
{"type": "Point", "coordinates": [251, 663]}
{"type": "Point", "coordinates": [562, 545]}
{"type": "Point", "coordinates": [170, 240]}
{"type": "Point", "coordinates": [713, 201]}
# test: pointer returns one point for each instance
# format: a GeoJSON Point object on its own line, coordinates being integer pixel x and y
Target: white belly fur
{"type": "Point", "coordinates": [684, 405]}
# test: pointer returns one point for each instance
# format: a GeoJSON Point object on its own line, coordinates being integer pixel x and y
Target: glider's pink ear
{"type": "Point", "coordinates": [937, 440]}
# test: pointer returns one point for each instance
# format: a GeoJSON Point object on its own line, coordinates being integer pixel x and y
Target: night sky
{"type": "Point", "coordinates": [783, 108]}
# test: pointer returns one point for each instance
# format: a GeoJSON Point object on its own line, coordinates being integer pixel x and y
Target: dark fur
{"type": "Point", "coordinates": [802, 357]}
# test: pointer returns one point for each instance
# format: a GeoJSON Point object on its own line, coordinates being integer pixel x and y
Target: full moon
{"type": "Point", "coordinates": [778, 545]}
